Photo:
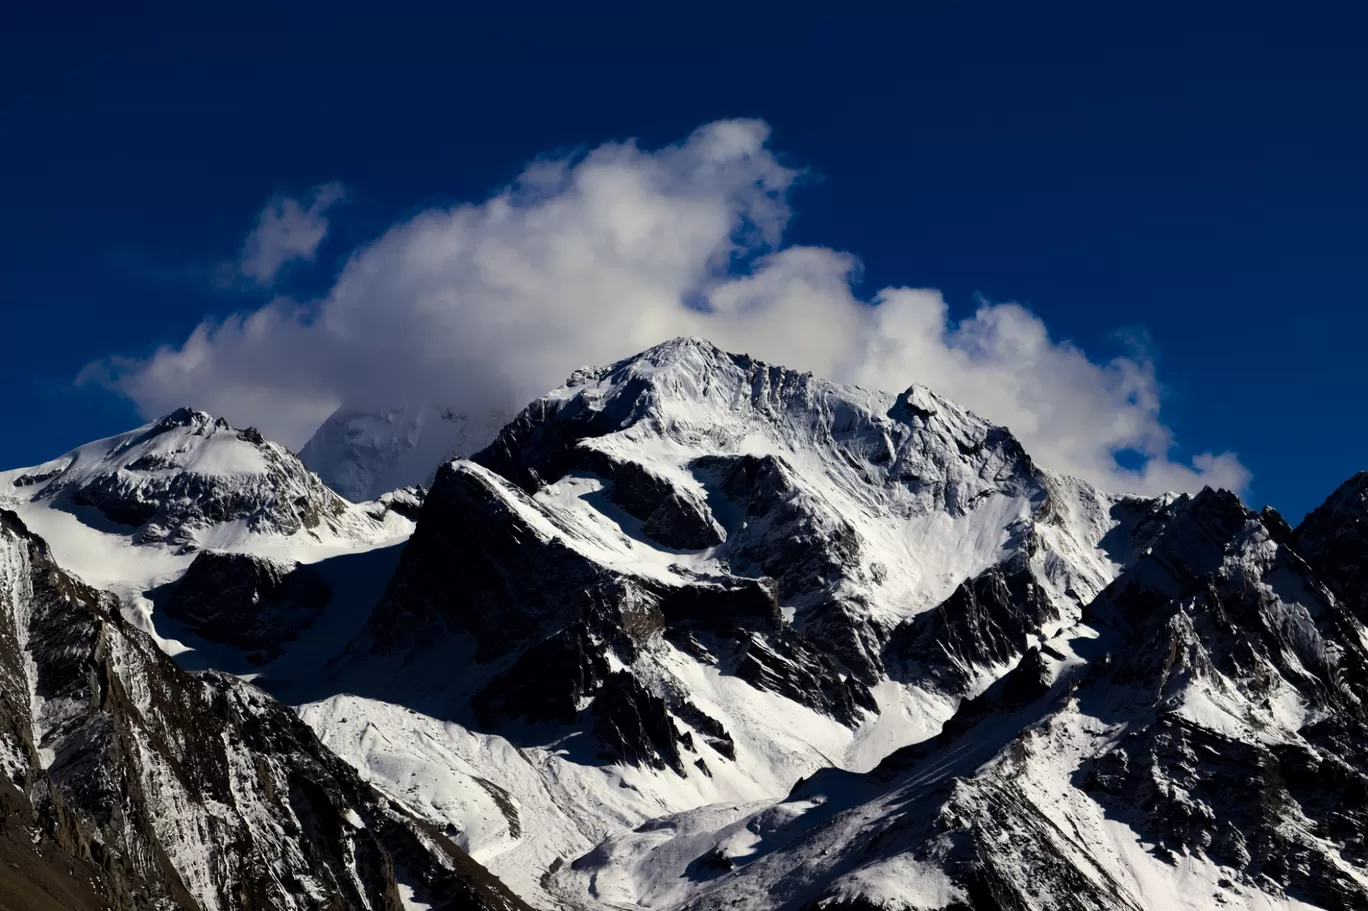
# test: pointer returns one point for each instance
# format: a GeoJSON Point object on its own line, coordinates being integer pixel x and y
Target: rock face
{"type": "Point", "coordinates": [130, 784]}
{"type": "Point", "coordinates": [489, 567]}
{"type": "Point", "coordinates": [1334, 540]}
{"type": "Point", "coordinates": [254, 603]}
{"type": "Point", "coordinates": [987, 620]}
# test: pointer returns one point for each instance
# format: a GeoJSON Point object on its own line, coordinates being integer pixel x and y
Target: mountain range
{"type": "Point", "coordinates": [689, 631]}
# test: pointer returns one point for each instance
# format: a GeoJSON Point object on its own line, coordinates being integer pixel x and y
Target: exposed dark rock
{"type": "Point", "coordinates": [785, 537]}
{"type": "Point", "coordinates": [1333, 538]}
{"type": "Point", "coordinates": [635, 725]}
{"type": "Point", "coordinates": [712, 864]}
{"type": "Point", "coordinates": [1139, 523]}
{"type": "Point", "coordinates": [712, 730]}
{"type": "Point", "coordinates": [669, 516]}
{"type": "Point", "coordinates": [546, 683]}
{"type": "Point", "coordinates": [53, 880]}
{"type": "Point", "coordinates": [250, 602]}
{"type": "Point", "coordinates": [542, 445]}
{"type": "Point", "coordinates": [788, 664]}
{"type": "Point", "coordinates": [1195, 622]}
{"type": "Point", "coordinates": [1219, 619]}
{"type": "Point", "coordinates": [476, 566]}
{"type": "Point", "coordinates": [1277, 526]}
{"type": "Point", "coordinates": [37, 477]}
{"type": "Point", "coordinates": [982, 625]}
{"type": "Point", "coordinates": [721, 603]}
{"type": "Point", "coordinates": [407, 502]}
{"type": "Point", "coordinates": [1030, 680]}
{"type": "Point", "coordinates": [539, 446]}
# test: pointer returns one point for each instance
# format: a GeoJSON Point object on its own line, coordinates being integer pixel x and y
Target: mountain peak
{"type": "Point", "coordinates": [186, 417]}
{"type": "Point", "coordinates": [1340, 523]}
{"type": "Point", "coordinates": [682, 355]}
{"type": "Point", "coordinates": [172, 479]}
{"type": "Point", "coordinates": [363, 453]}
{"type": "Point", "coordinates": [684, 345]}
{"type": "Point", "coordinates": [1349, 497]}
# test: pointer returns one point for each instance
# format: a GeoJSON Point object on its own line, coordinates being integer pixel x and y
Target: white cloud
{"type": "Point", "coordinates": [590, 259]}
{"type": "Point", "coordinates": [1071, 413]}
{"type": "Point", "coordinates": [286, 231]}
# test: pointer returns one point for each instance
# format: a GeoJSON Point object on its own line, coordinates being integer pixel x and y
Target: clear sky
{"type": "Point", "coordinates": [1190, 180]}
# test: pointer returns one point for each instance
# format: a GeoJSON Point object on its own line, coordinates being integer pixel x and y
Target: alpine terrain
{"type": "Point", "coordinates": [691, 631]}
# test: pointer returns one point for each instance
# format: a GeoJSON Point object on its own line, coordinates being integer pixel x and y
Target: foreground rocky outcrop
{"type": "Point", "coordinates": [131, 784]}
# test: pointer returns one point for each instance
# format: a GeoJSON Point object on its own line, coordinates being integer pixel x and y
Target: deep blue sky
{"type": "Point", "coordinates": [1198, 173]}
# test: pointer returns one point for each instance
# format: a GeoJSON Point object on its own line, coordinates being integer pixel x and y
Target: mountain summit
{"type": "Point", "coordinates": [363, 454]}
{"type": "Point", "coordinates": [714, 576]}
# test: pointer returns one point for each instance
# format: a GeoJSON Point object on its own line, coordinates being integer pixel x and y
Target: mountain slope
{"type": "Point", "coordinates": [182, 475]}
{"type": "Point", "coordinates": [1199, 744]}
{"type": "Point", "coordinates": [150, 787]}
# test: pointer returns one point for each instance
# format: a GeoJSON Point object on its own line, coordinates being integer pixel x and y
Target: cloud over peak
{"type": "Point", "coordinates": [590, 258]}
{"type": "Point", "coordinates": [287, 230]}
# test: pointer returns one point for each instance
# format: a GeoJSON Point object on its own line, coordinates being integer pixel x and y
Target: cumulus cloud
{"type": "Point", "coordinates": [1071, 413]}
{"type": "Point", "coordinates": [591, 258]}
{"type": "Point", "coordinates": [287, 230]}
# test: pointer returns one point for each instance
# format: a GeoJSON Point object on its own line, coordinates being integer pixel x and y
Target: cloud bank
{"type": "Point", "coordinates": [590, 258]}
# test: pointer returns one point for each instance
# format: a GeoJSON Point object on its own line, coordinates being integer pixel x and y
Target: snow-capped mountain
{"type": "Point", "coordinates": [132, 512]}
{"type": "Point", "coordinates": [174, 480]}
{"type": "Point", "coordinates": [695, 631]}
{"type": "Point", "coordinates": [364, 453]}
{"type": "Point", "coordinates": [691, 579]}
